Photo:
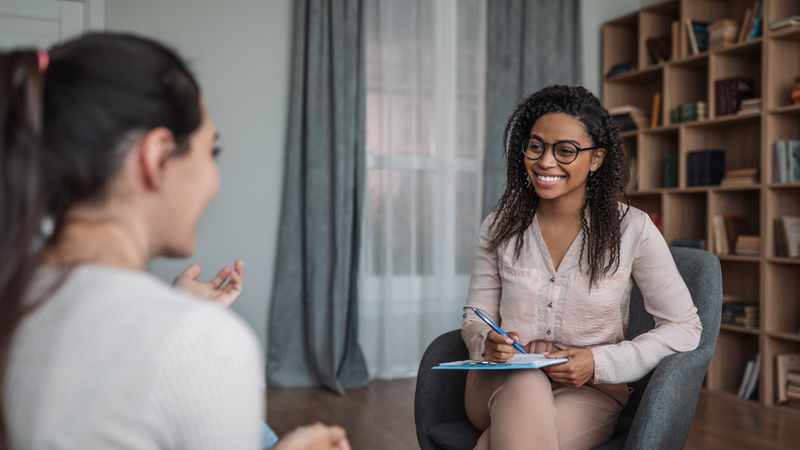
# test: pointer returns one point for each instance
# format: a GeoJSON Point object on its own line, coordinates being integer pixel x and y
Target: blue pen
{"type": "Point", "coordinates": [497, 329]}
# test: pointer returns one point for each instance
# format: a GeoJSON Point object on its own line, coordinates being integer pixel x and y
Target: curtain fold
{"type": "Point", "coordinates": [313, 319]}
{"type": "Point", "coordinates": [531, 44]}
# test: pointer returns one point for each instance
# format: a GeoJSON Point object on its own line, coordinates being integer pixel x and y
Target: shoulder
{"type": "Point", "coordinates": [634, 220]}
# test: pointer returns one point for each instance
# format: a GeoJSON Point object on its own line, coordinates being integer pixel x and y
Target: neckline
{"type": "Point", "coordinates": [567, 260]}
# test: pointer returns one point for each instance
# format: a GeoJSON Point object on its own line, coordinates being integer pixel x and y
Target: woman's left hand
{"type": "Point", "coordinates": [213, 290]}
{"type": "Point", "coordinates": [578, 371]}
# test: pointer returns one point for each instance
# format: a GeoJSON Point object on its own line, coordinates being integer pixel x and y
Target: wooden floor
{"type": "Point", "coordinates": [381, 416]}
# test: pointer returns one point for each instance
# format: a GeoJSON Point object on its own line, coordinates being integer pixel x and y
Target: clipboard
{"type": "Point", "coordinates": [518, 361]}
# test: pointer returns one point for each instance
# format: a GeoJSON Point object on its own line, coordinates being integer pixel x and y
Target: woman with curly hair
{"type": "Point", "coordinates": [554, 267]}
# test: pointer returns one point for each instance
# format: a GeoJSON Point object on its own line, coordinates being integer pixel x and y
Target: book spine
{"type": "Point", "coordinates": [793, 151]}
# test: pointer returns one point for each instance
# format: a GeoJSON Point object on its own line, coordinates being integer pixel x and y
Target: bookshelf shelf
{"type": "Point", "coordinates": [628, 134]}
{"type": "Point", "coordinates": [786, 34]}
{"type": "Point", "coordinates": [786, 109]}
{"type": "Point", "coordinates": [735, 329]}
{"type": "Point", "coordinates": [688, 212]}
{"type": "Point", "coordinates": [785, 335]}
{"type": "Point", "coordinates": [730, 120]}
{"type": "Point", "coordinates": [778, 260]}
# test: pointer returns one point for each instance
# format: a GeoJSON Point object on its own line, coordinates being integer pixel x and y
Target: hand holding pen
{"type": "Point", "coordinates": [499, 346]}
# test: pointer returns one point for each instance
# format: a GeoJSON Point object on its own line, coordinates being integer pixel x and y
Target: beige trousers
{"type": "Point", "coordinates": [523, 409]}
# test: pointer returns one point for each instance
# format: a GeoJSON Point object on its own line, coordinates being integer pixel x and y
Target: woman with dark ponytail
{"type": "Point", "coordinates": [107, 161]}
{"type": "Point", "coordinates": [554, 267]}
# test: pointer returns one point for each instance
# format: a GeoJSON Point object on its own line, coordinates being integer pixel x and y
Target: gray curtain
{"type": "Point", "coordinates": [531, 44]}
{"type": "Point", "coordinates": [313, 319]}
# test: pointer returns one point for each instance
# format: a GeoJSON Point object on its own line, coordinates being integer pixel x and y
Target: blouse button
{"type": "Point", "coordinates": [464, 315]}
{"type": "Point", "coordinates": [549, 305]}
{"type": "Point", "coordinates": [548, 332]}
{"type": "Point", "coordinates": [552, 280]}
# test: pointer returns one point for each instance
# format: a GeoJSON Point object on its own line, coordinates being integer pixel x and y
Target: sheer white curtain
{"type": "Point", "coordinates": [426, 66]}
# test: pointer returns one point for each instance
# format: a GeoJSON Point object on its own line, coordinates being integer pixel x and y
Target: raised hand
{"type": "Point", "coordinates": [216, 290]}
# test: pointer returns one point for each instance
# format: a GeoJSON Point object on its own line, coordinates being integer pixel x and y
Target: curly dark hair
{"type": "Point", "coordinates": [517, 208]}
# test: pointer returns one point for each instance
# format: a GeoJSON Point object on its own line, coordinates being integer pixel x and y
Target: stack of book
{"type": "Point", "coordinates": [793, 388]}
{"type": "Point", "coordinates": [791, 21]}
{"type": "Point", "coordinates": [748, 388]}
{"type": "Point", "coordinates": [750, 106]}
{"type": "Point", "coordinates": [722, 33]}
{"type": "Point", "coordinates": [629, 117]}
{"type": "Point", "coordinates": [796, 91]}
{"type": "Point", "coordinates": [727, 231]}
{"type": "Point", "coordinates": [619, 69]}
{"type": "Point", "coordinates": [705, 167]}
{"type": "Point", "coordinates": [747, 245]}
{"type": "Point", "coordinates": [739, 313]}
{"type": "Point", "coordinates": [740, 177]}
{"type": "Point", "coordinates": [730, 92]}
{"type": "Point", "coordinates": [787, 236]}
{"type": "Point", "coordinates": [690, 111]}
{"type": "Point", "coordinates": [786, 167]}
{"type": "Point", "coordinates": [690, 243]}
{"type": "Point", "coordinates": [787, 374]}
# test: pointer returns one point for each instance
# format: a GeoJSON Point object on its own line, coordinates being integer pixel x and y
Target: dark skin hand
{"type": "Point", "coordinates": [578, 371]}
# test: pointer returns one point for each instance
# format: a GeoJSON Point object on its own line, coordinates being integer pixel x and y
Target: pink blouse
{"type": "Point", "coordinates": [540, 303]}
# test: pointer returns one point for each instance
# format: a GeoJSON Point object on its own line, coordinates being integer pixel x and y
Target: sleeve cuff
{"type": "Point", "coordinates": [599, 369]}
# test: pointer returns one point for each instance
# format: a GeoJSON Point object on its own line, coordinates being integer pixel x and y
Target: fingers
{"type": "Point", "coordinates": [221, 277]}
{"type": "Point", "coordinates": [499, 338]}
{"type": "Point", "coordinates": [238, 267]}
{"type": "Point", "coordinates": [498, 348]}
{"type": "Point", "coordinates": [191, 272]}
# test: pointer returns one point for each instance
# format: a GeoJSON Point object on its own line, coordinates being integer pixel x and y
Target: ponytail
{"type": "Point", "coordinates": [22, 199]}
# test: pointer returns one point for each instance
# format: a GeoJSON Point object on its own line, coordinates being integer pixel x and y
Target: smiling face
{"type": "Point", "coordinates": [552, 179]}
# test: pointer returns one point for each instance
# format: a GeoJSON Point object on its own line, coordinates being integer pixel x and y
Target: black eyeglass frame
{"type": "Point", "coordinates": [524, 146]}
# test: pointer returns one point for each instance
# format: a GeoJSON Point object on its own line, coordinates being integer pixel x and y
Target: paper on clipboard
{"type": "Point", "coordinates": [518, 361]}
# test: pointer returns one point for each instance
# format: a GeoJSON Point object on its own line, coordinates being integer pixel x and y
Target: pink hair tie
{"type": "Point", "coordinates": [44, 61]}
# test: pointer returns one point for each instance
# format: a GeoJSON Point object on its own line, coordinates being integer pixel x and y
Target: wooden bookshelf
{"type": "Point", "coordinates": [772, 62]}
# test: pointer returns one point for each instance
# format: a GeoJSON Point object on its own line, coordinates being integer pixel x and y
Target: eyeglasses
{"type": "Point", "coordinates": [564, 152]}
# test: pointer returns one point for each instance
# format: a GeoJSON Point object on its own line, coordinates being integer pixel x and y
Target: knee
{"type": "Point", "coordinates": [529, 383]}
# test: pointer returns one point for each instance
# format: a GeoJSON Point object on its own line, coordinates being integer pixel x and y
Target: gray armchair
{"type": "Point", "coordinates": [660, 409]}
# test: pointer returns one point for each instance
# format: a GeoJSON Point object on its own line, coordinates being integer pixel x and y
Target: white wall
{"type": "Point", "coordinates": [240, 52]}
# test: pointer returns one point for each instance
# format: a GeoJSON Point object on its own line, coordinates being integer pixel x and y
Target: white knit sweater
{"type": "Point", "coordinates": [117, 359]}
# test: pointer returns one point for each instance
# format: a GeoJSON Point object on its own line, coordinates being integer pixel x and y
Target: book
{"type": "Point", "coordinates": [690, 243]}
{"type": "Point", "coordinates": [690, 111]}
{"type": "Point", "coordinates": [781, 244]}
{"type": "Point", "coordinates": [730, 92]}
{"type": "Point", "coordinates": [671, 170]}
{"type": "Point", "coordinates": [655, 113]}
{"type": "Point", "coordinates": [621, 68]}
{"type": "Point", "coordinates": [748, 14]}
{"type": "Point", "coordinates": [791, 21]}
{"type": "Point", "coordinates": [793, 377]}
{"type": "Point", "coordinates": [692, 38]}
{"type": "Point", "coordinates": [748, 374]}
{"type": "Point", "coordinates": [755, 29]}
{"type": "Point", "coordinates": [705, 167]}
{"type": "Point", "coordinates": [780, 166]}
{"type": "Point", "coordinates": [752, 385]}
{"type": "Point", "coordinates": [791, 228]}
{"type": "Point", "coordinates": [784, 363]}
{"type": "Point", "coordinates": [676, 39]}
{"type": "Point", "coordinates": [793, 161]}
{"type": "Point", "coordinates": [659, 49]}
{"type": "Point", "coordinates": [746, 245]}
{"type": "Point", "coordinates": [629, 117]}
{"type": "Point", "coordinates": [720, 238]}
